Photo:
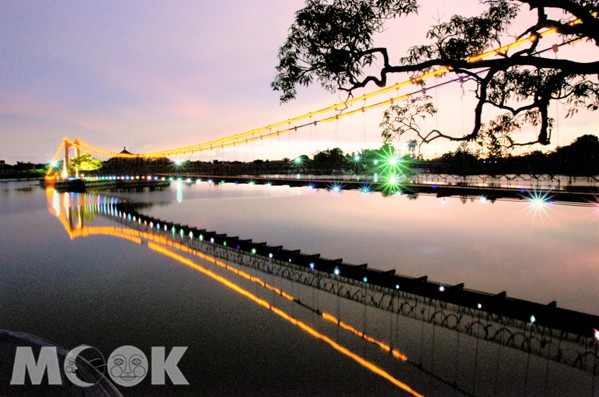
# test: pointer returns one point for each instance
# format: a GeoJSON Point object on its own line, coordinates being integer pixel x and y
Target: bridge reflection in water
{"type": "Point", "coordinates": [473, 351]}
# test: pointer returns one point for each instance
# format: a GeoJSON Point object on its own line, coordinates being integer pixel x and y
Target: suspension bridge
{"type": "Point", "coordinates": [69, 148]}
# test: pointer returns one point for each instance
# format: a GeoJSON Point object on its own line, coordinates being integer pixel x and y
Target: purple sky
{"type": "Point", "coordinates": [153, 75]}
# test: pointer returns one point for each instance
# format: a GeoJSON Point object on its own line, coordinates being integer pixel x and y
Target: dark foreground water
{"type": "Point", "coordinates": [76, 277]}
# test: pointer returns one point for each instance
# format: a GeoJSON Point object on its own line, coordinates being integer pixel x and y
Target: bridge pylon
{"type": "Point", "coordinates": [66, 164]}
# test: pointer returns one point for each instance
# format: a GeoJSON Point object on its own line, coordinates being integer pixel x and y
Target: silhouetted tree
{"type": "Point", "coordinates": [334, 155]}
{"type": "Point", "coordinates": [331, 42]}
{"type": "Point", "coordinates": [581, 157]}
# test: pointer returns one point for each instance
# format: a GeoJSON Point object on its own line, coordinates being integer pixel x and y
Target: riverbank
{"type": "Point", "coordinates": [81, 185]}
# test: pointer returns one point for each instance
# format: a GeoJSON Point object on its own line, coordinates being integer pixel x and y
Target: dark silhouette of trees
{"type": "Point", "coordinates": [332, 42]}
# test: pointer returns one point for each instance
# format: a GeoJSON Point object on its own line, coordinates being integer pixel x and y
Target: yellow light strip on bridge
{"type": "Point", "coordinates": [251, 135]}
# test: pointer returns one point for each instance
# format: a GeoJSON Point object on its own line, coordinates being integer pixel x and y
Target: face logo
{"type": "Point", "coordinates": [74, 373]}
{"type": "Point", "coordinates": [127, 366]}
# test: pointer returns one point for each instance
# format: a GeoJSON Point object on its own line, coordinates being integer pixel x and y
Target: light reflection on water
{"type": "Point", "coordinates": [499, 371]}
{"type": "Point", "coordinates": [534, 250]}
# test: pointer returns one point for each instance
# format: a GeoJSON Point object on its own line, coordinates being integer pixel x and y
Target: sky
{"type": "Point", "coordinates": [156, 75]}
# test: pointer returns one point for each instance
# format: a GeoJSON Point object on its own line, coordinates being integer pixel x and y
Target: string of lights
{"type": "Point", "coordinates": [291, 124]}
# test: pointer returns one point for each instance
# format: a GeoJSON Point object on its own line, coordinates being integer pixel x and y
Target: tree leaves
{"type": "Point", "coordinates": [332, 42]}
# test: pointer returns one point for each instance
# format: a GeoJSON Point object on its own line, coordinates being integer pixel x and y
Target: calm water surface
{"type": "Point", "coordinates": [107, 291]}
{"type": "Point", "coordinates": [532, 251]}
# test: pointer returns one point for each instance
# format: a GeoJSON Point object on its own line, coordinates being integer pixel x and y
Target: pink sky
{"type": "Point", "coordinates": [154, 75]}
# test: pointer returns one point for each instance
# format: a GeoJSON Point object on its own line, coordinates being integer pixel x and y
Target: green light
{"type": "Point", "coordinates": [391, 185]}
{"type": "Point", "coordinates": [224, 243]}
{"type": "Point", "coordinates": [254, 251]}
{"type": "Point", "coordinates": [357, 158]}
{"type": "Point", "coordinates": [297, 160]}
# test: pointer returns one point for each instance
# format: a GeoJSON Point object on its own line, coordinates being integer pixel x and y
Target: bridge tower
{"type": "Point", "coordinates": [66, 164]}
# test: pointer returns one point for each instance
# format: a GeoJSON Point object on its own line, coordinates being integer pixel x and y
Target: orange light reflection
{"type": "Point", "coordinates": [382, 345]}
{"type": "Point", "coordinates": [137, 236]}
{"type": "Point", "coordinates": [365, 363]}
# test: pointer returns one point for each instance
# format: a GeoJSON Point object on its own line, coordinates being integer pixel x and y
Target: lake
{"type": "Point", "coordinates": [73, 275]}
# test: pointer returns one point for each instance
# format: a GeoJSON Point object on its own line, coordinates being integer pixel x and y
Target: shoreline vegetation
{"type": "Point", "coordinates": [579, 159]}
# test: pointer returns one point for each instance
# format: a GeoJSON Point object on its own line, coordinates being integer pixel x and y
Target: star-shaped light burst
{"type": "Point", "coordinates": [390, 168]}
{"type": "Point", "coordinates": [365, 188]}
{"type": "Point", "coordinates": [539, 201]}
{"type": "Point", "coordinates": [336, 187]}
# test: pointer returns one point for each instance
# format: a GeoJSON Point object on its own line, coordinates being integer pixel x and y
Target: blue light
{"type": "Point", "coordinates": [336, 272]}
{"type": "Point", "coordinates": [365, 279]}
{"type": "Point", "coordinates": [532, 319]}
{"type": "Point", "coordinates": [336, 187]}
{"type": "Point", "coordinates": [312, 266]}
{"type": "Point", "coordinates": [480, 306]}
